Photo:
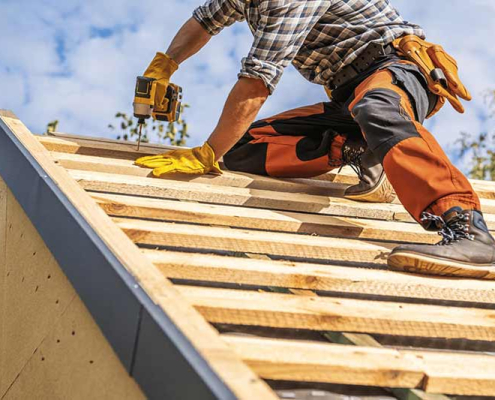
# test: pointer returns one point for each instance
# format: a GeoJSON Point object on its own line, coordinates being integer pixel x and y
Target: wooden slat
{"type": "Point", "coordinates": [456, 374]}
{"type": "Point", "coordinates": [326, 185]}
{"type": "Point", "coordinates": [127, 167]}
{"type": "Point", "coordinates": [485, 189]}
{"type": "Point", "coordinates": [240, 217]}
{"type": "Point", "coordinates": [389, 284]}
{"type": "Point", "coordinates": [308, 362]}
{"type": "Point", "coordinates": [242, 381]}
{"type": "Point", "coordinates": [100, 147]}
{"type": "Point", "coordinates": [364, 340]}
{"type": "Point", "coordinates": [127, 150]}
{"type": "Point", "coordinates": [238, 307]}
{"type": "Point", "coordinates": [462, 374]}
{"type": "Point", "coordinates": [244, 241]}
{"type": "Point", "coordinates": [169, 189]}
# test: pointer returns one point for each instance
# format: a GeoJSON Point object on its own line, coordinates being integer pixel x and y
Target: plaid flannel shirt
{"type": "Point", "coordinates": [319, 37]}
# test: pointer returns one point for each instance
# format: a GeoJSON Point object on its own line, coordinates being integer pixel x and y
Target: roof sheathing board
{"type": "Point", "coordinates": [134, 323]}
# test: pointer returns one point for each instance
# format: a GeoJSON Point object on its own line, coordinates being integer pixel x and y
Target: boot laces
{"type": "Point", "coordinates": [352, 156]}
{"type": "Point", "coordinates": [452, 231]}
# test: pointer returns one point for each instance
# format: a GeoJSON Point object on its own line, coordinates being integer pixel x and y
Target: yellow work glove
{"type": "Point", "coordinates": [161, 68]}
{"type": "Point", "coordinates": [448, 64]}
{"type": "Point", "coordinates": [196, 161]}
{"type": "Point", "coordinates": [428, 57]}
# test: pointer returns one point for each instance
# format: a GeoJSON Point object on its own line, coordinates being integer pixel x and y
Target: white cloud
{"type": "Point", "coordinates": [77, 60]}
{"type": "Point", "coordinates": [462, 28]}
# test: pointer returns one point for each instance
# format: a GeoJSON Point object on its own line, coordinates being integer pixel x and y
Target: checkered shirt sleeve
{"type": "Point", "coordinates": [281, 31]}
{"type": "Point", "coordinates": [215, 15]}
{"type": "Point", "coordinates": [319, 37]}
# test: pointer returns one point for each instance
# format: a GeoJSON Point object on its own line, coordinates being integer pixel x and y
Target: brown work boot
{"type": "Point", "coordinates": [467, 248]}
{"type": "Point", "coordinates": [373, 185]}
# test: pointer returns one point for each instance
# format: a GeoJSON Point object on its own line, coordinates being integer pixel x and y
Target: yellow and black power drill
{"type": "Point", "coordinates": [168, 108]}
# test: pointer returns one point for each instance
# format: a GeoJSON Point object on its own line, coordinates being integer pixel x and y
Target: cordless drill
{"type": "Point", "coordinates": [168, 108]}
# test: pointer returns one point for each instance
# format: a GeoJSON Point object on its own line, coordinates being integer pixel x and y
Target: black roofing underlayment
{"type": "Point", "coordinates": [153, 350]}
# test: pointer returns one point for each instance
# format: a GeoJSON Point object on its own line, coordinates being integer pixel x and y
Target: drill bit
{"type": "Point", "coordinates": [141, 123]}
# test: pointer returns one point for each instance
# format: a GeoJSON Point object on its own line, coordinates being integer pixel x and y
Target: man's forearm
{"type": "Point", "coordinates": [190, 39]}
{"type": "Point", "coordinates": [242, 106]}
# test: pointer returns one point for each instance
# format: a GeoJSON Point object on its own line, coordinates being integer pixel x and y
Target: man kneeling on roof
{"type": "Point", "coordinates": [383, 81]}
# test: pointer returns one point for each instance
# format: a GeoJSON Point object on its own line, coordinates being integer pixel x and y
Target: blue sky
{"type": "Point", "coordinates": [76, 61]}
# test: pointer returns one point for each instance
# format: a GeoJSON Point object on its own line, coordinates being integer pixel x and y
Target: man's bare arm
{"type": "Point", "coordinates": [190, 39]}
{"type": "Point", "coordinates": [243, 104]}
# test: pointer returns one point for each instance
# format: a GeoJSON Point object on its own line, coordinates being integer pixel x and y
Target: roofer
{"type": "Point", "coordinates": [383, 80]}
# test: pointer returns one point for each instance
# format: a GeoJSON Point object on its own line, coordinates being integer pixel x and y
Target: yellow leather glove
{"type": "Point", "coordinates": [448, 64]}
{"type": "Point", "coordinates": [428, 57]}
{"type": "Point", "coordinates": [196, 161]}
{"type": "Point", "coordinates": [161, 68]}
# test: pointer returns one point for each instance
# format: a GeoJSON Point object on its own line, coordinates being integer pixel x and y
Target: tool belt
{"type": "Point", "coordinates": [373, 52]}
{"type": "Point", "coordinates": [439, 68]}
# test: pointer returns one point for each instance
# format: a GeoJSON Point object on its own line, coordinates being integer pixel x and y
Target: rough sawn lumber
{"type": "Point", "coordinates": [169, 189]}
{"type": "Point", "coordinates": [244, 241]}
{"type": "Point", "coordinates": [238, 307]}
{"type": "Point", "coordinates": [237, 179]}
{"type": "Point", "coordinates": [99, 147]}
{"type": "Point", "coordinates": [354, 281]}
{"type": "Point", "coordinates": [434, 372]}
{"type": "Point", "coordinates": [281, 221]}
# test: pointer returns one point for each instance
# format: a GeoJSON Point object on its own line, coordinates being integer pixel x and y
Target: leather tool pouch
{"type": "Point", "coordinates": [439, 68]}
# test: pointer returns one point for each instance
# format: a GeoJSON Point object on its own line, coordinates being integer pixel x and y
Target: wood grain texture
{"type": "Point", "coordinates": [244, 241]}
{"type": "Point", "coordinates": [286, 207]}
{"type": "Point", "coordinates": [169, 189]}
{"type": "Point", "coordinates": [238, 307]}
{"type": "Point", "coordinates": [243, 382]}
{"type": "Point", "coordinates": [308, 362]}
{"type": "Point", "coordinates": [237, 179]}
{"type": "Point", "coordinates": [100, 147]}
{"type": "Point", "coordinates": [358, 281]}
{"type": "Point", "coordinates": [280, 221]}
{"type": "Point", "coordinates": [432, 371]}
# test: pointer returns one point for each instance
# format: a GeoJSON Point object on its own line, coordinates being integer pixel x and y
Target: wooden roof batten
{"type": "Point", "coordinates": [250, 280]}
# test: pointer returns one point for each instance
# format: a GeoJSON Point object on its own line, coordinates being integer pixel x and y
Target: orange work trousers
{"type": "Point", "coordinates": [387, 108]}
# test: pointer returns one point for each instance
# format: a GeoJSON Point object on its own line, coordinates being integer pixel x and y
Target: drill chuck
{"type": "Point", "coordinates": [142, 111]}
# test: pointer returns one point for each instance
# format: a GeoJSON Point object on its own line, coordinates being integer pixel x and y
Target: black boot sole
{"type": "Point", "coordinates": [423, 264]}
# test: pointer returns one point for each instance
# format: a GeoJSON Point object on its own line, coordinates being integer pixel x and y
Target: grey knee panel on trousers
{"type": "Point", "coordinates": [383, 121]}
{"type": "Point", "coordinates": [411, 80]}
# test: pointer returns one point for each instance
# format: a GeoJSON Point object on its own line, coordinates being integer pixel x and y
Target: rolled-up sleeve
{"type": "Point", "coordinates": [281, 31]}
{"type": "Point", "coordinates": [215, 15]}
